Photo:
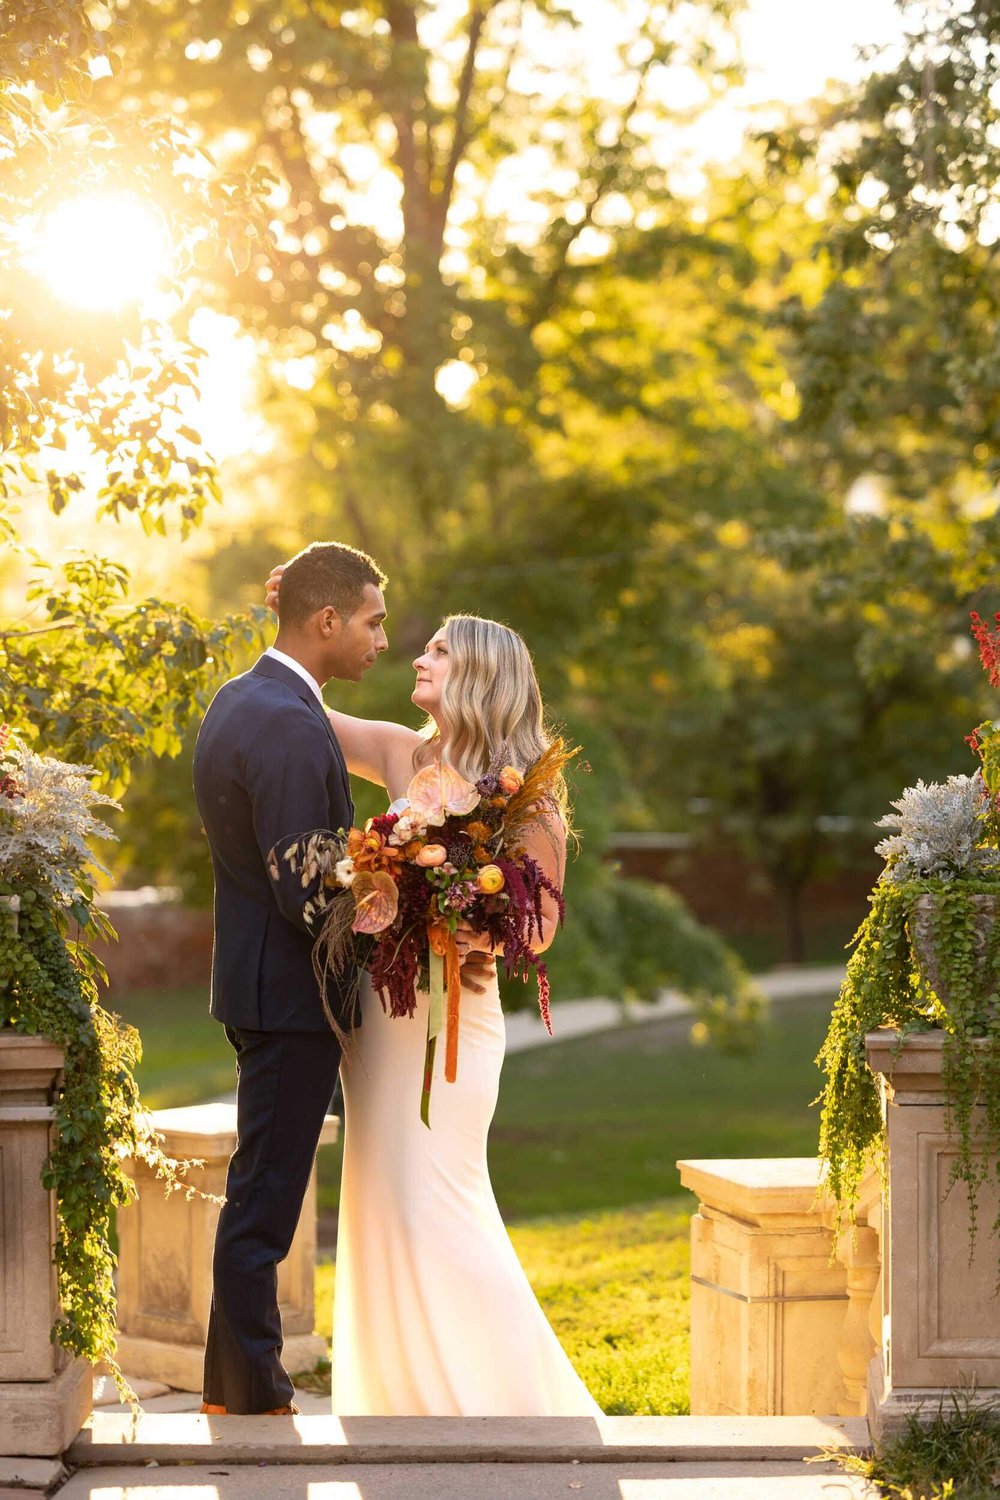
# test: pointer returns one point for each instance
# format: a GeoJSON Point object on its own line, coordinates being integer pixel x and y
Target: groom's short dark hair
{"type": "Point", "coordinates": [325, 573]}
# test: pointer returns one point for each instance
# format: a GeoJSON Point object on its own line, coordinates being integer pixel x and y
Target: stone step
{"type": "Point", "coordinates": [548, 1481]}
{"type": "Point", "coordinates": [112, 1439]}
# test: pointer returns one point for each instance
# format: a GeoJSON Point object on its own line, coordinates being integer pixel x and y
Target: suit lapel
{"type": "Point", "coordinates": [267, 666]}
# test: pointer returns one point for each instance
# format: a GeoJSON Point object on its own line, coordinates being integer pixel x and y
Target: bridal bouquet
{"type": "Point", "coordinates": [451, 850]}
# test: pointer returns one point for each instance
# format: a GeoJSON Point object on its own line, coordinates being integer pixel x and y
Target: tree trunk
{"type": "Point", "coordinates": [790, 897]}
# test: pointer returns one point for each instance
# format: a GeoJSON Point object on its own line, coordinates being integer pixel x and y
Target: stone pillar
{"type": "Point", "coordinates": [45, 1397]}
{"type": "Point", "coordinates": [767, 1301]}
{"type": "Point", "coordinates": [941, 1314]}
{"type": "Point", "coordinates": [165, 1257]}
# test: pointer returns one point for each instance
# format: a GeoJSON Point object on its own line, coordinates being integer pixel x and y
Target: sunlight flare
{"type": "Point", "coordinates": [101, 251]}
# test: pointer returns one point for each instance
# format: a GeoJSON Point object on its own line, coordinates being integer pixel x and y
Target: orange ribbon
{"type": "Point", "coordinates": [442, 942]}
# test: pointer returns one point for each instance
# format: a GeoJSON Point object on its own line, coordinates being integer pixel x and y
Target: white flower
{"type": "Point", "coordinates": [409, 826]}
{"type": "Point", "coordinates": [344, 871]}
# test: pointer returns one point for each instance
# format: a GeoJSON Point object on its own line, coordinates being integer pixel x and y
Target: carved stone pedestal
{"type": "Point", "coordinates": [165, 1258]}
{"type": "Point", "coordinates": [44, 1396]}
{"type": "Point", "coordinates": [767, 1305]}
{"type": "Point", "coordinates": [941, 1323]}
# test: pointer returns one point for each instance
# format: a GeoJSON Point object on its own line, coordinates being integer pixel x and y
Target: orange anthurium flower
{"type": "Point", "coordinates": [377, 898]}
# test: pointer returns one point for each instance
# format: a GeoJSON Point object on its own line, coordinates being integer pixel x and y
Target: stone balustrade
{"type": "Point", "coordinates": [940, 1327]}
{"type": "Point", "coordinates": [781, 1306]}
{"type": "Point", "coordinates": [45, 1397]}
{"type": "Point", "coordinates": [165, 1257]}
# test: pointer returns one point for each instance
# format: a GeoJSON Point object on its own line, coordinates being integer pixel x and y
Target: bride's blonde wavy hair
{"type": "Point", "coordinates": [490, 700]}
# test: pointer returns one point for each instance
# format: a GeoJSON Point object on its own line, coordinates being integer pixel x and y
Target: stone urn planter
{"type": "Point", "coordinates": [940, 1310]}
{"type": "Point", "coordinates": [45, 1397]}
{"type": "Point", "coordinates": [984, 913]}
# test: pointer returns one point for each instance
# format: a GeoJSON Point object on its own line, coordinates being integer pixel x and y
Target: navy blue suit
{"type": "Point", "coordinates": [267, 767]}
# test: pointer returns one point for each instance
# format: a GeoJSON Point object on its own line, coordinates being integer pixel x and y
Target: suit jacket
{"type": "Point", "coordinates": [267, 767]}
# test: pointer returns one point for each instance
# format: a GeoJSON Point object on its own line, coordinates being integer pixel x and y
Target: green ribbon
{"type": "Point", "coordinates": [435, 1013]}
{"type": "Point", "coordinates": [435, 1025]}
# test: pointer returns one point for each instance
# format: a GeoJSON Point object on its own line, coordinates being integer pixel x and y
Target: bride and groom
{"type": "Point", "coordinates": [433, 1315]}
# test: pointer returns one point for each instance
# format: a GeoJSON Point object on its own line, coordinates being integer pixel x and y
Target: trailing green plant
{"type": "Point", "coordinates": [940, 894]}
{"type": "Point", "coordinates": [48, 988]}
{"type": "Point", "coordinates": [884, 988]}
{"type": "Point", "coordinates": [953, 1454]}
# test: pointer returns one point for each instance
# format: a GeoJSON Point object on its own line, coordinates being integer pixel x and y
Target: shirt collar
{"type": "Point", "coordinates": [297, 667]}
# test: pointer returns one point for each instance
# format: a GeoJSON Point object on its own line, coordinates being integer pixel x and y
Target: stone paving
{"type": "Point", "coordinates": [680, 1481]}
{"type": "Point", "coordinates": [329, 1458]}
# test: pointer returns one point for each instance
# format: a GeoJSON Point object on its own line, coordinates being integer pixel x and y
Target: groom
{"type": "Point", "coordinates": [268, 767]}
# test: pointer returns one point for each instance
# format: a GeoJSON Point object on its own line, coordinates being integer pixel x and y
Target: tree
{"type": "Point", "coordinates": [87, 672]}
{"type": "Point", "coordinates": [389, 128]}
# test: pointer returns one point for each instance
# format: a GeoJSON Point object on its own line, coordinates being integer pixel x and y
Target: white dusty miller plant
{"type": "Point", "coordinates": [46, 821]}
{"type": "Point", "coordinates": [939, 832]}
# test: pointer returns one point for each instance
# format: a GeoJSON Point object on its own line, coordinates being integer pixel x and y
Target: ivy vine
{"type": "Point", "coordinates": [48, 988]}
{"type": "Point", "coordinates": [886, 988]}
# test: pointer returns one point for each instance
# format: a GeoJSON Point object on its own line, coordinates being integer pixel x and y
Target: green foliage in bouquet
{"type": "Point", "coordinates": [48, 987]}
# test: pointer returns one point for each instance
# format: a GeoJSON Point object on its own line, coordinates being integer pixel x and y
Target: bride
{"type": "Point", "coordinates": [433, 1314]}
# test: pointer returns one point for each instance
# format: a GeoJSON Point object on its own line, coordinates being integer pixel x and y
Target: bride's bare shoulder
{"type": "Point", "coordinates": [377, 750]}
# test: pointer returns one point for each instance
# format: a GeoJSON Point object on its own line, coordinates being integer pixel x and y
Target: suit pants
{"type": "Point", "coordinates": [285, 1083]}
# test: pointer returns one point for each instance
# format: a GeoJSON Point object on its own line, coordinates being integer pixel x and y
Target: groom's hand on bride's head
{"type": "Point", "coordinates": [272, 586]}
{"type": "Point", "coordinates": [478, 971]}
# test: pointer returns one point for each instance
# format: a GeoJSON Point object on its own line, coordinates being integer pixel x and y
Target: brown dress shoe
{"type": "Point", "coordinates": [208, 1410]}
{"type": "Point", "coordinates": [291, 1410]}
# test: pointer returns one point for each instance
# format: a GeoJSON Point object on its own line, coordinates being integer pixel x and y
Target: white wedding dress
{"type": "Point", "coordinates": [433, 1314]}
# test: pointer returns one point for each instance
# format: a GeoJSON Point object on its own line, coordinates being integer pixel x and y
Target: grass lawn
{"type": "Point", "coordinates": [598, 1122]}
{"type": "Point", "coordinates": [582, 1125]}
{"type": "Point", "coordinates": [186, 1058]}
{"type": "Point", "coordinates": [615, 1288]}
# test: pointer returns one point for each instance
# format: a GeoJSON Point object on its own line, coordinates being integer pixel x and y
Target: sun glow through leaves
{"type": "Point", "coordinates": [101, 251]}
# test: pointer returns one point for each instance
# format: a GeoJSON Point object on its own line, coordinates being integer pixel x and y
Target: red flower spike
{"type": "Point", "coordinates": [987, 638]}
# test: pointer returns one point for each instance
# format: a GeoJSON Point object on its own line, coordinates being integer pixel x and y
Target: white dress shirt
{"type": "Point", "coordinates": [296, 666]}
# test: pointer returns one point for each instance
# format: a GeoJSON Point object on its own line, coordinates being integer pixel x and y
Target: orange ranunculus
{"type": "Point", "coordinates": [510, 780]}
{"type": "Point", "coordinates": [490, 880]}
{"type": "Point", "coordinates": [369, 850]}
{"type": "Point", "coordinates": [430, 856]}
